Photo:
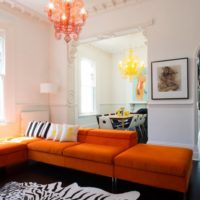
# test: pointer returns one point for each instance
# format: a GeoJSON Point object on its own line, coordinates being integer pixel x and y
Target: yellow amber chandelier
{"type": "Point", "coordinates": [131, 66]}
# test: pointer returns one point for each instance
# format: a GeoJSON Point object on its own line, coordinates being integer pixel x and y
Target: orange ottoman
{"type": "Point", "coordinates": [11, 153]}
{"type": "Point", "coordinates": [160, 166]}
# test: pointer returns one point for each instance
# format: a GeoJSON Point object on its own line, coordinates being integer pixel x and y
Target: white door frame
{"type": "Point", "coordinates": [196, 128]}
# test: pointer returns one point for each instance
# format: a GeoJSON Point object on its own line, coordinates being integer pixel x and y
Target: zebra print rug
{"type": "Point", "coordinates": [55, 191]}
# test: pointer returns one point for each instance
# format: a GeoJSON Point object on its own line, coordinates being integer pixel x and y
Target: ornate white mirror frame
{"type": "Point", "coordinates": [71, 52]}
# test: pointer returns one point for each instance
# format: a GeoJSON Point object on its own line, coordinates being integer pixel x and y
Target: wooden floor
{"type": "Point", "coordinates": [42, 173]}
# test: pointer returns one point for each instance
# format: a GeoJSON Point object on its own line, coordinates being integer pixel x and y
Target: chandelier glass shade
{"type": "Point", "coordinates": [68, 17]}
{"type": "Point", "coordinates": [131, 66]}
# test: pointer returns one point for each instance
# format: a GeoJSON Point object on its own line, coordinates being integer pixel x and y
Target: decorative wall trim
{"type": "Point", "coordinates": [107, 5]}
{"type": "Point", "coordinates": [135, 28]}
{"type": "Point", "coordinates": [17, 7]}
{"type": "Point", "coordinates": [70, 98]}
{"type": "Point", "coordinates": [71, 53]}
{"type": "Point", "coordinates": [94, 9]}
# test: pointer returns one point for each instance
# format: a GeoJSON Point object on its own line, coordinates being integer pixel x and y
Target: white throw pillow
{"type": "Point", "coordinates": [52, 132]}
{"type": "Point", "coordinates": [69, 133]}
{"type": "Point", "coordinates": [58, 132]}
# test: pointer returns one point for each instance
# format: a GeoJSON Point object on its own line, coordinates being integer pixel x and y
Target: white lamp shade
{"type": "Point", "coordinates": [48, 88]}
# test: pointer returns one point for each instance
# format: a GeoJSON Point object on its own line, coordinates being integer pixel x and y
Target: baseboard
{"type": "Point", "coordinates": [195, 149]}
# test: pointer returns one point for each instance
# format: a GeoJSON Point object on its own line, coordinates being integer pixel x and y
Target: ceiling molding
{"type": "Point", "coordinates": [135, 28]}
{"type": "Point", "coordinates": [108, 5]}
{"type": "Point", "coordinates": [93, 9]}
{"type": "Point", "coordinates": [9, 4]}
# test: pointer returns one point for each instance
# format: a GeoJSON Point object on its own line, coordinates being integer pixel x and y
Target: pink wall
{"type": "Point", "coordinates": [27, 63]}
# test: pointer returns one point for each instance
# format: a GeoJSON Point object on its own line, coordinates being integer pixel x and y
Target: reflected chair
{"type": "Point", "coordinates": [105, 122]}
{"type": "Point", "coordinates": [144, 111]}
{"type": "Point", "coordinates": [141, 122]}
{"type": "Point", "coordinates": [134, 126]}
{"type": "Point", "coordinates": [97, 117]}
{"type": "Point", "coordinates": [137, 123]}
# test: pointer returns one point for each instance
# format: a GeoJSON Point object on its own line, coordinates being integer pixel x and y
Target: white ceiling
{"type": "Point", "coordinates": [122, 43]}
{"type": "Point", "coordinates": [91, 5]}
{"type": "Point", "coordinates": [112, 45]}
{"type": "Point", "coordinates": [36, 5]}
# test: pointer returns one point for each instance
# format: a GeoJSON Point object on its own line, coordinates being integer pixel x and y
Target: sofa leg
{"type": "Point", "coordinates": [114, 184]}
{"type": "Point", "coordinates": [185, 196]}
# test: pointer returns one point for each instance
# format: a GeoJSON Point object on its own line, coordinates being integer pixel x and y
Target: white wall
{"type": "Point", "coordinates": [103, 62]}
{"type": "Point", "coordinates": [122, 87]}
{"type": "Point", "coordinates": [58, 75]}
{"type": "Point", "coordinates": [27, 62]}
{"type": "Point", "coordinates": [175, 34]}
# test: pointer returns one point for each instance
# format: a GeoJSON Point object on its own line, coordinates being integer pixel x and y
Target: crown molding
{"type": "Point", "coordinates": [111, 5]}
{"type": "Point", "coordinates": [9, 4]}
{"type": "Point", "coordinates": [95, 9]}
{"type": "Point", "coordinates": [135, 28]}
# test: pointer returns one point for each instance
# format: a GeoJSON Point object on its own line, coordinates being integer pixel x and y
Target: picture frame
{"type": "Point", "coordinates": [169, 79]}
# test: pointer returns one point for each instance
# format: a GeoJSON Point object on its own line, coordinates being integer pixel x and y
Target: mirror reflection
{"type": "Point", "coordinates": [112, 79]}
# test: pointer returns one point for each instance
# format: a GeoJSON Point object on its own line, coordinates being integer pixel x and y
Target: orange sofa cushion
{"type": "Point", "coordinates": [93, 152]}
{"type": "Point", "coordinates": [6, 148]}
{"type": "Point", "coordinates": [23, 140]}
{"type": "Point", "coordinates": [121, 138]}
{"type": "Point", "coordinates": [161, 159]}
{"type": "Point", "coordinates": [50, 146]}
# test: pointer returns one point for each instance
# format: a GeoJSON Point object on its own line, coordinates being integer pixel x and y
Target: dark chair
{"type": "Point", "coordinates": [97, 117]}
{"type": "Point", "coordinates": [144, 111]}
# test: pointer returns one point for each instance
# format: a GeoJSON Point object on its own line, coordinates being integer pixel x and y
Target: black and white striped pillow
{"type": "Point", "coordinates": [38, 130]}
{"type": "Point", "coordinates": [45, 130]}
{"type": "Point", "coordinates": [31, 128]}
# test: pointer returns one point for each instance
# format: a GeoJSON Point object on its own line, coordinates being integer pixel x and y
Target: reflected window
{"type": "Point", "coordinates": [87, 87]}
{"type": "Point", "coordinates": [2, 75]}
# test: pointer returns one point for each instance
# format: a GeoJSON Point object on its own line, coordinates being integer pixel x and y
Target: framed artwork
{"type": "Point", "coordinates": [169, 79]}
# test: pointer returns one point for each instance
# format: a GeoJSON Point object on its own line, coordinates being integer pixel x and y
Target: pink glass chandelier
{"type": "Point", "coordinates": [68, 17]}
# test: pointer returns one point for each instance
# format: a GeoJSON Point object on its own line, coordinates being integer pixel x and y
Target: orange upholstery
{"type": "Point", "coordinates": [6, 148]}
{"type": "Point", "coordinates": [154, 165]}
{"type": "Point", "coordinates": [82, 134]}
{"type": "Point", "coordinates": [104, 169]}
{"type": "Point", "coordinates": [53, 159]}
{"type": "Point", "coordinates": [109, 137]}
{"type": "Point", "coordinates": [93, 152]}
{"type": "Point", "coordinates": [159, 180]}
{"type": "Point", "coordinates": [23, 140]}
{"type": "Point", "coordinates": [155, 158]}
{"type": "Point", "coordinates": [12, 158]}
{"type": "Point", "coordinates": [11, 153]}
{"type": "Point", "coordinates": [50, 146]}
{"type": "Point", "coordinates": [113, 153]}
{"type": "Point", "coordinates": [97, 150]}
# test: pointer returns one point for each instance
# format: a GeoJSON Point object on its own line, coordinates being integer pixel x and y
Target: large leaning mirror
{"type": "Point", "coordinates": [101, 87]}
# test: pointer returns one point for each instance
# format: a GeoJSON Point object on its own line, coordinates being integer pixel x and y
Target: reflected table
{"type": "Point", "coordinates": [121, 118]}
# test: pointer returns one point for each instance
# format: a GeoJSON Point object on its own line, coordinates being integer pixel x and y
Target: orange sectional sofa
{"type": "Point", "coordinates": [112, 153]}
